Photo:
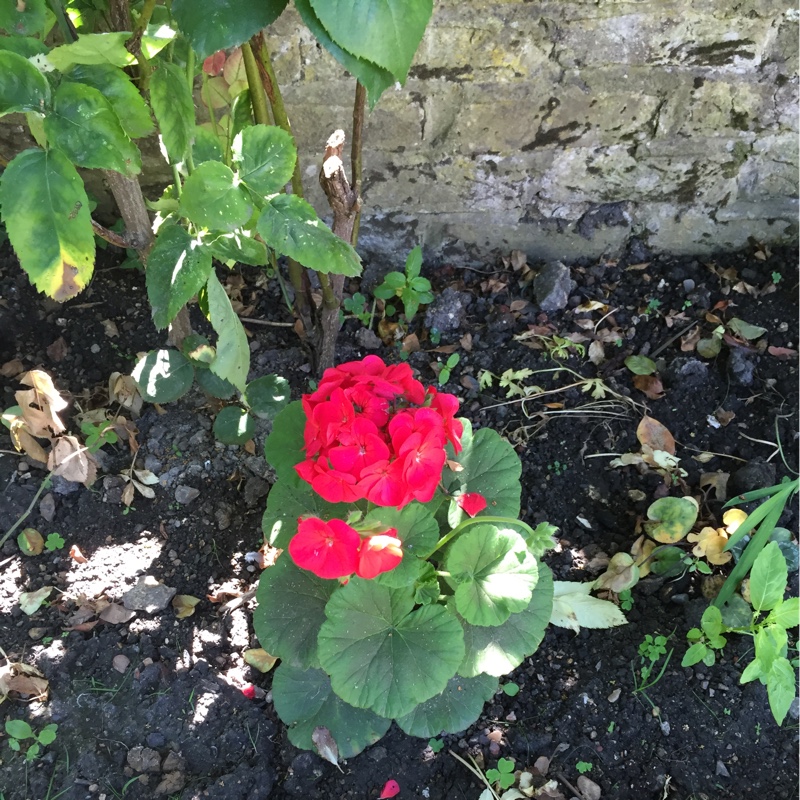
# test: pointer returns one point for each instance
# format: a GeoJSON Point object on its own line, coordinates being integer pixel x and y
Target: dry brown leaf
{"type": "Point", "coordinates": [638, 267]}
{"type": "Point", "coordinates": [115, 614]}
{"type": "Point", "coordinates": [110, 328]}
{"type": "Point", "coordinates": [724, 417]}
{"type": "Point", "coordinates": [466, 342]}
{"type": "Point", "coordinates": [783, 353]}
{"type": "Point", "coordinates": [72, 461]}
{"type": "Point", "coordinates": [260, 659]}
{"type": "Point", "coordinates": [649, 384]}
{"type": "Point", "coordinates": [58, 350]}
{"type": "Point", "coordinates": [12, 368]}
{"type": "Point", "coordinates": [326, 745]}
{"type": "Point", "coordinates": [689, 340]}
{"type": "Point", "coordinates": [83, 614]}
{"type": "Point", "coordinates": [518, 305]}
{"type": "Point", "coordinates": [718, 481]}
{"type": "Point", "coordinates": [651, 433]}
{"type": "Point", "coordinates": [24, 441]}
{"type": "Point", "coordinates": [184, 605]}
{"type": "Point", "coordinates": [122, 389]}
{"type": "Point", "coordinates": [445, 349]}
{"type": "Point", "coordinates": [83, 627]}
{"type": "Point", "coordinates": [597, 354]}
{"type": "Point", "coordinates": [76, 555]}
{"type": "Point", "coordinates": [411, 344]}
{"type": "Point", "coordinates": [250, 447]}
{"type": "Point", "coordinates": [128, 494]}
{"type": "Point", "coordinates": [40, 404]}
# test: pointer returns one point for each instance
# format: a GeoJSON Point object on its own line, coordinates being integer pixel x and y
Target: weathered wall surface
{"type": "Point", "coordinates": [564, 128]}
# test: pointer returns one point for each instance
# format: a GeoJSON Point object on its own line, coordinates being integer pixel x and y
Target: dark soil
{"type": "Point", "coordinates": [178, 693]}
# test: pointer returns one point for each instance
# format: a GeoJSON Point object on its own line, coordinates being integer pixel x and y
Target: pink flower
{"type": "Point", "coordinates": [471, 503]}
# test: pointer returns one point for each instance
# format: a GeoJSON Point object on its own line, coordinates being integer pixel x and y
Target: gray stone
{"type": "Point", "coordinates": [722, 770]}
{"type": "Point", "coordinates": [368, 339]}
{"type": "Point", "coordinates": [742, 366]}
{"type": "Point", "coordinates": [144, 759]}
{"type": "Point", "coordinates": [794, 708]}
{"type": "Point", "coordinates": [47, 507]}
{"type": "Point", "coordinates": [64, 487]}
{"type": "Point", "coordinates": [174, 762]}
{"type": "Point", "coordinates": [153, 464]}
{"type": "Point", "coordinates": [447, 311]}
{"type": "Point", "coordinates": [186, 494]}
{"type": "Point", "coordinates": [687, 371]}
{"type": "Point", "coordinates": [254, 490]}
{"type": "Point", "coordinates": [552, 287]}
{"type": "Point", "coordinates": [752, 476]}
{"type": "Point", "coordinates": [148, 595]}
{"type": "Point", "coordinates": [223, 517]}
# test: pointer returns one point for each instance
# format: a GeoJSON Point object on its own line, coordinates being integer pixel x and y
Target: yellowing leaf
{"type": "Point", "coordinates": [732, 519]}
{"type": "Point", "coordinates": [260, 659]}
{"type": "Point", "coordinates": [31, 602]}
{"type": "Point", "coordinates": [40, 404]}
{"type": "Point", "coordinates": [710, 543]}
{"type": "Point", "coordinates": [30, 541]}
{"type": "Point", "coordinates": [651, 433]}
{"type": "Point", "coordinates": [184, 605]}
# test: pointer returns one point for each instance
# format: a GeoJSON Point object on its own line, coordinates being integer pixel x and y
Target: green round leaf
{"type": "Point", "coordinates": [93, 48]}
{"type": "Point", "coordinates": [673, 518]}
{"type": "Point", "coordinates": [290, 611]}
{"type": "Point", "coordinates": [30, 541]}
{"type": "Point", "coordinates": [290, 226]}
{"type": "Point", "coordinates": [206, 146]}
{"type": "Point", "coordinates": [375, 79]}
{"type": "Point", "coordinates": [416, 529]}
{"type": "Point", "coordinates": [212, 25]}
{"type": "Point", "coordinates": [267, 395]}
{"type": "Point", "coordinates": [304, 700]}
{"type": "Point", "coordinates": [491, 467]}
{"type": "Point", "coordinates": [163, 376]}
{"type": "Point", "coordinates": [120, 92]}
{"type": "Point", "coordinates": [173, 106]}
{"type": "Point", "coordinates": [197, 349]}
{"type": "Point", "coordinates": [213, 199]}
{"type": "Point", "coordinates": [238, 248]}
{"type": "Point", "coordinates": [492, 572]}
{"type": "Point", "coordinates": [85, 127]}
{"type": "Point", "coordinates": [24, 46]}
{"type": "Point", "coordinates": [454, 710]}
{"type": "Point", "coordinates": [709, 348]}
{"type": "Point", "coordinates": [19, 729]}
{"type": "Point", "coordinates": [23, 19]}
{"type": "Point", "coordinates": [46, 213]}
{"type": "Point", "coordinates": [289, 499]}
{"type": "Point", "coordinates": [214, 385]}
{"type": "Point", "coordinates": [501, 649]}
{"type": "Point", "coordinates": [284, 447]}
{"type": "Point", "coordinates": [386, 32]}
{"type": "Point", "coordinates": [641, 365]}
{"type": "Point", "coordinates": [48, 734]}
{"type": "Point", "coordinates": [266, 156]}
{"type": "Point", "coordinates": [736, 612]}
{"type": "Point", "coordinates": [177, 268]}
{"type": "Point", "coordinates": [234, 425]}
{"type": "Point", "coordinates": [383, 655]}
{"type": "Point", "coordinates": [22, 86]}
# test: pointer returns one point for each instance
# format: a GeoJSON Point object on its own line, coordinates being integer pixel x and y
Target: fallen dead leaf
{"type": "Point", "coordinates": [718, 481]}
{"type": "Point", "coordinates": [597, 353]}
{"type": "Point", "coordinates": [76, 555]}
{"type": "Point", "coordinates": [260, 659]}
{"type": "Point", "coordinates": [31, 602]}
{"type": "Point", "coordinates": [20, 681]}
{"type": "Point", "coordinates": [466, 342]}
{"type": "Point", "coordinates": [689, 340]}
{"type": "Point", "coordinates": [783, 353]}
{"type": "Point", "coordinates": [72, 461]}
{"type": "Point", "coordinates": [411, 344]}
{"type": "Point", "coordinates": [40, 404]}
{"type": "Point", "coordinates": [650, 385]}
{"type": "Point", "coordinates": [110, 328]}
{"type": "Point", "coordinates": [326, 745]}
{"type": "Point", "coordinates": [184, 605]}
{"type": "Point", "coordinates": [12, 368]}
{"type": "Point", "coordinates": [724, 417]}
{"type": "Point", "coordinates": [115, 614]}
{"type": "Point", "coordinates": [58, 350]}
{"type": "Point", "coordinates": [651, 433]}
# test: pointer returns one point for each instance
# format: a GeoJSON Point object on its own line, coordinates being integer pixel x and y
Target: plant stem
{"type": "Point", "coordinates": [257, 96]}
{"type": "Point", "coordinates": [356, 149]}
{"type": "Point", "coordinates": [26, 513]}
{"type": "Point", "coordinates": [190, 82]}
{"type": "Point", "coordinates": [134, 44]}
{"type": "Point", "coordinates": [474, 521]}
{"type": "Point", "coordinates": [64, 23]}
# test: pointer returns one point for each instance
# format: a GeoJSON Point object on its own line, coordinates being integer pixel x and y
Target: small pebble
{"type": "Point", "coordinates": [95, 348]}
{"type": "Point", "coordinates": [22, 466]}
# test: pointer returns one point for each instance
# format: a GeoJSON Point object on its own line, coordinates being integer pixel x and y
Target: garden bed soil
{"type": "Point", "coordinates": [153, 707]}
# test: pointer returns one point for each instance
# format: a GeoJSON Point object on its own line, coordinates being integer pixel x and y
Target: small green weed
{"type": "Point", "coordinates": [584, 766]}
{"type": "Point", "coordinates": [98, 434]}
{"type": "Point", "coordinates": [20, 731]}
{"type": "Point", "coordinates": [412, 289]}
{"type": "Point", "coordinates": [511, 689]}
{"type": "Point", "coordinates": [436, 745]}
{"type": "Point", "coordinates": [626, 600]}
{"type": "Point", "coordinates": [450, 365]}
{"type": "Point", "coordinates": [54, 541]}
{"type": "Point", "coordinates": [557, 468]}
{"type": "Point", "coordinates": [504, 774]}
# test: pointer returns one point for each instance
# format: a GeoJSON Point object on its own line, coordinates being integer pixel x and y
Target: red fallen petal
{"type": "Point", "coordinates": [215, 63]}
{"type": "Point", "coordinates": [471, 503]}
{"type": "Point", "coordinates": [249, 691]}
{"type": "Point", "coordinates": [390, 789]}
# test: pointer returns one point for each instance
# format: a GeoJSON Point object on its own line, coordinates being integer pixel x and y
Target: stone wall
{"type": "Point", "coordinates": [565, 128]}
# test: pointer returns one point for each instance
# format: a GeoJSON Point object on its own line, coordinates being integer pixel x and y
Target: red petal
{"type": "Point", "coordinates": [390, 789]}
{"type": "Point", "coordinates": [379, 554]}
{"type": "Point", "coordinates": [471, 503]}
{"type": "Point", "coordinates": [249, 691]}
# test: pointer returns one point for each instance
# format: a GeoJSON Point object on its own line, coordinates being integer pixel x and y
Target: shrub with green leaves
{"type": "Point", "coordinates": [410, 287]}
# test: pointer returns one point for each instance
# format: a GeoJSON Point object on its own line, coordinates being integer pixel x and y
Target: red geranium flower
{"type": "Point", "coordinates": [471, 503]}
{"type": "Point", "coordinates": [328, 549]}
{"type": "Point", "coordinates": [379, 554]}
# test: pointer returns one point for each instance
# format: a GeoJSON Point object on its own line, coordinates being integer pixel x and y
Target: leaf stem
{"type": "Point", "coordinates": [476, 520]}
{"type": "Point", "coordinates": [257, 96]}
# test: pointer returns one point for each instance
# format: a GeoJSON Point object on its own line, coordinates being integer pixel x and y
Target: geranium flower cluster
{"type": "Point", "coordinates": [372, 431]}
